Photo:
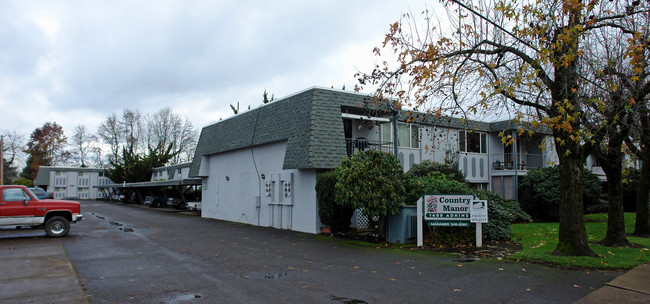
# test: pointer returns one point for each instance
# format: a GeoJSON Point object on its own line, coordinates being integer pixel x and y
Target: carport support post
{"type": "Point", "coordinates": [420, 216]}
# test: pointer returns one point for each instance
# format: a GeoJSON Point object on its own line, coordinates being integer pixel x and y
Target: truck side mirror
{"type": "Point", "coordinates": [25, 199]}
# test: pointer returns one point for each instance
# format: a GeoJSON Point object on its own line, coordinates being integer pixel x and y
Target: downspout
{"type": "Point", "coordinates": [395, 145]}
{"type": "Point", "coordinates": [515, 164]}
{"type": "Point", "coordinates": [258, 199]}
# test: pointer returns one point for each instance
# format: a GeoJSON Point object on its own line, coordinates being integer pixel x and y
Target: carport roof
{"type": "Point", "coordinates": [173, 182]}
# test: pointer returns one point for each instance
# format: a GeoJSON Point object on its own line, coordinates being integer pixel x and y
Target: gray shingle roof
{"type": "Point", "coordinates": [310, 122]}
{"type": "Point", "coordinates": [510, 125]}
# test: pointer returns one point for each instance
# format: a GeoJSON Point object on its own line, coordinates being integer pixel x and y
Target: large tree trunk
{"type": "Point", "coordinates": [612, 164]}
{"type": "Point", "coordinates": [613, 167]}
{"type": "Point", "coordinates": [642, 226]}
{"type": "Point", "coordinates": [572, 237]}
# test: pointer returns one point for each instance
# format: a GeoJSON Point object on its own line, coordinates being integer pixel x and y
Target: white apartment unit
{"type": "Point", "coordinates": [72, 183]}
{"type": "Point", "coordinates": [259, 167]}
{"type": "Point", "coordinates": [173, 172]}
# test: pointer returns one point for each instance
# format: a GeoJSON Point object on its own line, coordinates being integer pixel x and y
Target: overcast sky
{"type": "Point", "coordinates": [75, 62]}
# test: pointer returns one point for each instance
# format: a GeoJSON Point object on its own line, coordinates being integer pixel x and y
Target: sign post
{"type": "Point", "coordinates": [451, 210]}
{"type": "Point", "coordinates": [420, 216]}
{"type": "Point", "coordinates": [478, 214]}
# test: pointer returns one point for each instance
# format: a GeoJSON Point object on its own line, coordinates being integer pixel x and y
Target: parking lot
{"type": "Point", "coordinates": [134, 254]}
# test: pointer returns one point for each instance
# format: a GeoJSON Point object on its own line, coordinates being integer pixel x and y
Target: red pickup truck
{"type": "Point", "coordinates": [20, 207]}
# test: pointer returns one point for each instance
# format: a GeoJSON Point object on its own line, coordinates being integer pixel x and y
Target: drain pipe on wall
{"type": "Point", "coordinates": [258, 198]}
{"type": "Point", "coordinates": [395, 135]}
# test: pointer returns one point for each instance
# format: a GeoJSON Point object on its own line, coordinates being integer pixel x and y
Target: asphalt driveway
{"type": "Point", "coordinates": [132, 254]}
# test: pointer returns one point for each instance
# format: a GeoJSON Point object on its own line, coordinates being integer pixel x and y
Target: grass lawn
{"type": "Point", "coordinates": [540, 239]}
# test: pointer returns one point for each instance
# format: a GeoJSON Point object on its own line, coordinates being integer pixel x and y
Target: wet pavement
{"type": "Point", "coordinates": [129, 254]}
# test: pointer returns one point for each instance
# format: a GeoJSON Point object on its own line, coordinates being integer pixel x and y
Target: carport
{"type": "Point", "coordinates": [136, 192]}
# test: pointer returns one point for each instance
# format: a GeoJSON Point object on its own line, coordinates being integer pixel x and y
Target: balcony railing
{"type": "Point", "coordinates": [524, 161]}
{"type": "Point", "coordinates": [362, 144]}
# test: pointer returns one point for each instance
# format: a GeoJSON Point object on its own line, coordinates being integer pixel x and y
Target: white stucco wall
{"type": "Point", "coordinates": [69, 184]}
{"type": "Point", "coordinates": [234, 190]}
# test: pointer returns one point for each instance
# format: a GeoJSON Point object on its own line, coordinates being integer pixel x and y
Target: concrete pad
{"type": "Point", "coordinates": [608, 294]}
{"type": "Point", "coordinates": [637, 279]}
{"type": "Point", "coordinates": [30, 247]}
{"type": "Point", "coordinates": [42, 290]}
{"type": "Point", "coordinates": [37, 270]}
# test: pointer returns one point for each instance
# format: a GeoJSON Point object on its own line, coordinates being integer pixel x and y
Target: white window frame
{"type": "Point", "coordinates": [412, 140]}
{"type": "Point", "coordinates": [463, 141]}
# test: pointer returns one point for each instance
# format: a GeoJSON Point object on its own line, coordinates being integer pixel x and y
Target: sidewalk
{"type": "Point", "coordinates": [37, 270]}
{"type": "Point", "coordinates": [631, 287]}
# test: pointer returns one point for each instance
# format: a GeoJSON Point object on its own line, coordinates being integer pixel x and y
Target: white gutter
{"type": "Point", "coordinates": [363, 117]}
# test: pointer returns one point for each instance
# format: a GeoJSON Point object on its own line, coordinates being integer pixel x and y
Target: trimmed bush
{"type": "Point", "coordinates": [539, 193]}
{"type": "Point", "coordinates": [24, 182]}
{"type": "Point", "coordinates": [331, 214]}
{"type": "Point", "coordinates": [371, 180]}
{"type": "Point", "coordinates": [424, 168]}
{"type": "Point", "coordinates": [415, 175]}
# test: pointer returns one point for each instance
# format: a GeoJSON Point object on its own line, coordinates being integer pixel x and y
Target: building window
{"type": "Point", "coordinates": [408, 135]}
{"type": "Point", "coordinates": [472, 142]}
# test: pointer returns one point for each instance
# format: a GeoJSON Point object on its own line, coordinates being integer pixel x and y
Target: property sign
{"type": "Point", "coordinates": [478, 212]}
{"type": "Point", "coordinates": [450, 210]}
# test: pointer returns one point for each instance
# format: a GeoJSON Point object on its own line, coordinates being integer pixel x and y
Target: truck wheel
{"type": "Point", "coordinates": [57, 226]}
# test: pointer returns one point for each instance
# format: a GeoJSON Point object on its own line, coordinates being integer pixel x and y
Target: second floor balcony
{"type": "Point", "coordinates": [354, 145]}
{"type": "Point", "coordinates": [522, 161]}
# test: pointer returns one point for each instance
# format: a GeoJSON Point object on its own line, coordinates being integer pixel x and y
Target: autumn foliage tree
{"type": "Point", "coordinates": [505, 57]}
{"type": "Point", "coordinates": [620, 88]}
{"type": "Point", "coordinates": [46, 147]}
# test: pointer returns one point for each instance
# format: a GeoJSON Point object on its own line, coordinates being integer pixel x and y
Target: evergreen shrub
{"type": "Point", "coordinates": [371, 180]}
{"type": "Point", "coordinates": [501, 212]}
{"type": "Point", "coordinates": [418, 171]}
{"type": "Point", "coordinates": [539, 193]}
{"type": "Point", "coordinates": [24, 182]}
{"type": "Point", "coordinates": [331, 214]}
